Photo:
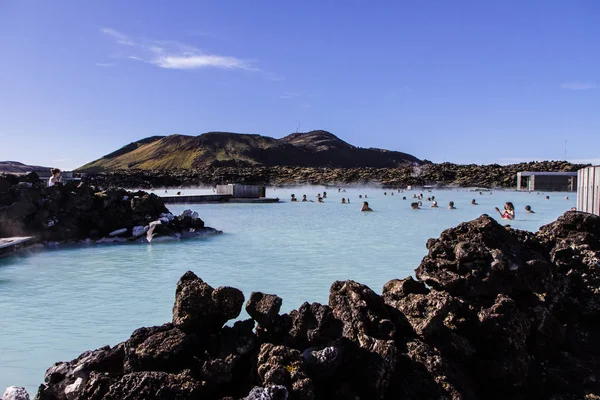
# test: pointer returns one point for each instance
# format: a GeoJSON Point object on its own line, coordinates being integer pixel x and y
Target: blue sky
{"type": "Point", "coordinates": [465, 81]}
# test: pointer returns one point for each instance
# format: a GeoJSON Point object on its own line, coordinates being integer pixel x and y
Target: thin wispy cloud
{"type": "Point", "coordinates": [118, 36]}
{"type": "Point", "coordinates": [175, 55]}
{"type": "Point", "coordinates": [105, 65]}
{"type": "Point", "coordinates": [578, 85]}
{"type": "Point", "coordinates": [288, 96]}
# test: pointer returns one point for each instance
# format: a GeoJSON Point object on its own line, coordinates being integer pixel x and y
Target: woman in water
{"type": "Point", "coordinates": [55, 177]}
{"type": "Point", "coordinates": [434, 204]}
{"type": "Point", "coordinates": [304, 198]}
{"type": "Point", "coordinates": [508, 212]}
{"type": "Point", "coordinates": [474, 203]}
{"type": "Point", "coordinates": [451, 206]}
{"type": "Point", "coordinates": [529, 210]}
{"type": "Point", "coordinates": [365, 207]}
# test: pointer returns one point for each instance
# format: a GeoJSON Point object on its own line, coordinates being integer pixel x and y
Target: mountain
{"type": "Point", "coordinates": [311, 149]}
{"type": "Point", "coordinates": [15, 167]}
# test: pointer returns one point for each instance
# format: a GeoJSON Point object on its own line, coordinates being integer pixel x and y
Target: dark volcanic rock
{"type": "Point", "coordinates": [482, 258]}
{"type": "Point", "coordinates": [72, 213]}
{"type": "Point", "coordinates": [371, 330]}
{"type": "Point", "coordinates": [445, 174]}
{"type": "Point", "coordinates": [280, 365]}
{"type": "Point", "coordinates": [263, 308]}
{"type": "Point", "coordinates": [155, 385]}
{"type": "Point", "coordinates": [200, 308]}
{"type": "Point", "coordinates": [507, 315]}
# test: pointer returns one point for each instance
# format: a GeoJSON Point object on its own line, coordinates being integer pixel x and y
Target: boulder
{"type": "Point", "coordinates": [264, 308]}
{"type": "Point", "coordinates": [155, 385]}
{"type": "Point", "coordinates": [200, 308]}
{"type": "Point", "coordinates": [482, 258]}
{"type": "Point", "coordinates": [280, 365]}
{"type": "Point", "coordinates": [15, 393]}
{"type": "Point", "coordinates": [370, 329]}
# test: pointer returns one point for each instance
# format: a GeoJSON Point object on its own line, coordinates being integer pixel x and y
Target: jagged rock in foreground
{"type": "Point", "coordinates": [496, 314]}
{"type": "Point", "coordinates": [72, 213]}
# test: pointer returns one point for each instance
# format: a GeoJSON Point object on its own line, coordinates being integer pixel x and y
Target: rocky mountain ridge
{"type": "Point", "coordinates": [181, 152]}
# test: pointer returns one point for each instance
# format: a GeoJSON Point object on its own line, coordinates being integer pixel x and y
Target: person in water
{"type": "Point", "coordinates": [403, 197]}
{"type": "Point", "coordinates": [55, 177]}
{"type": "Point", "coordinates": [365, 207]}
{"type": "Point", "coordinates": [451, 206]}
{"type": "Point", "coordinates": [474, 203]}
{"type": "Point", "coordinates": [529, 210]}
{"type": "Point", "coordinates": [508, 212]}
{"type": "Point", "coordinates": [319, 199]}
{"type": "Point", "coordinates": [324, 195]}
{"type": "Point", "coordinates": [293, 198]}
{"type": "Point", "coordinates": [547, 197]}
{"type": "Point", "coordinates": [360, 196]}
{"type": "Point", "coordinates": [304, 198]}
{"type": "Point", "coordinates": [414, 205]}
{"type": "Point", "coordinates": [343, 200]}
{"type": "Point", "coordinates": [434, 204]}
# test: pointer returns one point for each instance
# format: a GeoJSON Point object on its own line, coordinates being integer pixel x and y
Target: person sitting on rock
{"type": "Point", "coordinates": [529, 210]}
{"type": "Point", "coordinates": [304, 198]}
{"type": "Point", "coordinates": [434, 204]}
{"type": "Point", "coordinates": [365, 207]}
{"type": "Point", "coordinates": [55, 177]}
{"type": "Point", "coordinates": [414, 206]}
{"type": "Point", "coordinates": [474, 203]}
{"type": "Point", "coordinates": [508, 212]}
{"type": "Point", "coordinates": [343, 200]}
{"type": "Point", "coordinates": [293, 198]}
{"type": "Point", "coordinates": [451, 206]}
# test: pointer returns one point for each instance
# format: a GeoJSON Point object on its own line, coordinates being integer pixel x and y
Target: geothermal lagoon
{"type": "Point", "coordinates": [60, 302]}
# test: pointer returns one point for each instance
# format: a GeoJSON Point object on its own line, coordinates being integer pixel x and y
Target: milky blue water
{"type": "Point", "coordinates": [56, 304]}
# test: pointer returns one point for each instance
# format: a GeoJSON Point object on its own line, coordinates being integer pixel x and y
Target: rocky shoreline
{"type": "Point", "coordinates": [495, 313]}
{"type": "Point", "coordinates": [446, 174]}
{"type": "Point", "coordinates": [80, 213]}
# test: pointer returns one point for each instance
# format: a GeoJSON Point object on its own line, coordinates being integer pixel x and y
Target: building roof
{"type": "Point", "coordinates": [529, 173]}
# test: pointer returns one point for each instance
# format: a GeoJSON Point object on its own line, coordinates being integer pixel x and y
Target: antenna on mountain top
{"type": "Point", "coordinates": [298, 128]}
